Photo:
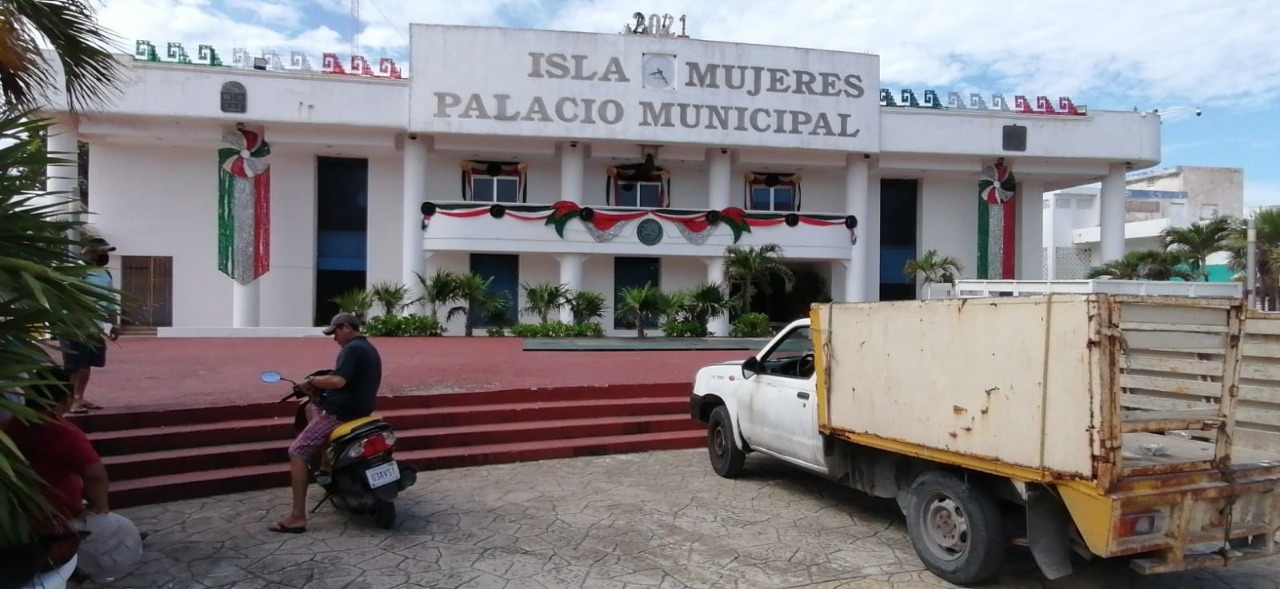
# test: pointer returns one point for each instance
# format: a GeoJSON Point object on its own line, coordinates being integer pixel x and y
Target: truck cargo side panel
{"type": "Point", "coordinates": [1007, 381]}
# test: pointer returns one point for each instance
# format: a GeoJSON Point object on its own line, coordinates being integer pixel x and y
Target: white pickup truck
{"type": "Point", "coordinates": [1108, 425]}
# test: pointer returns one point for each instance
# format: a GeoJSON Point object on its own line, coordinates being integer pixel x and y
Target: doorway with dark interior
{"type": "Point", "coordinates": [899, 217]}
{"type": "Point", "coordinates": [342, 218]}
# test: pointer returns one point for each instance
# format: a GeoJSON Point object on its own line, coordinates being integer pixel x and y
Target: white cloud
{"type": "Point", "coordinates": [1174, 51]}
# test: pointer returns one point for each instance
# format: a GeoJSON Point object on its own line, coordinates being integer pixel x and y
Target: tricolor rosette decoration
{"type": "Point", "coordinates": [244, 204]}
{"type": "Point", "coordinates": [997, 222]}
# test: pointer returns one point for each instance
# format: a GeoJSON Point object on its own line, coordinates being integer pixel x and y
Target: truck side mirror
{"type": "Point", "coordinates": [750, 367]}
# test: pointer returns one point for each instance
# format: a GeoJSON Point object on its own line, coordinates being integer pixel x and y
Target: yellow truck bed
{"type": "Point", "coordinates": [1164, 409]}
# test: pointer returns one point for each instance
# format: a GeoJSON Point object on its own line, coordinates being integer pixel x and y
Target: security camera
{"type": "Point", "coordinates": [1197, 112]}
{"type": "Point", "coordinates": [413, 136]}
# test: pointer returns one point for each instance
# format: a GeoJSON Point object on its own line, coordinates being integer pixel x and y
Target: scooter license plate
{"type": "Point", "coordinates": [382, 474]}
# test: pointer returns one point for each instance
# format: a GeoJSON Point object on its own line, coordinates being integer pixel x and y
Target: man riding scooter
{"type": "Point", "coordinates": [348, 393]}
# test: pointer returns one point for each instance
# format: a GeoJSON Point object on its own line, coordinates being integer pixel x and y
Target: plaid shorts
{"type": "Point", "coordinates": [309, 441]}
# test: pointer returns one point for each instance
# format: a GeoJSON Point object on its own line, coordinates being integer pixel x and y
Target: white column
{"type": "Point", "coordinates": [62, 143]}
{"type": "Point", "coordinates": [1051, 240]}
{"type": "Point", "coordinates": [1111, 214]}
{"type": "Point", "coordinates": [718, 325]}
{"type": "Point", "coordinates": [571, 277]}
{"type": "Point", "coordinates": [245, 304]}
{"type": "Point", "coordinates": [572, 162]}
{"type": "Point", "coordinates": [719, 179]}
{"type": "Point", "coordinates": [857, 185]}
{"type": "Point", "coordinates": [1030, 227]}
{"type": "Point", "coordinates": [413, 257]}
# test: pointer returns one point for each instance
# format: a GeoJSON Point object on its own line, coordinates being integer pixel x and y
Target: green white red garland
{"type": "Point", "coordinates": [604, 224]}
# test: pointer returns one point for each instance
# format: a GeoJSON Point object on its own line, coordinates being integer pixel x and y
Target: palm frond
{"type": "Point", "coordinates": [90, 72]}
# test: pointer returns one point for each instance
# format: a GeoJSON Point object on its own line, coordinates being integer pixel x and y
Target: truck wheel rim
{"type": "Point", "coordinates": [945, 527]}
{"type": "Point", "coordinates": [718, 441]}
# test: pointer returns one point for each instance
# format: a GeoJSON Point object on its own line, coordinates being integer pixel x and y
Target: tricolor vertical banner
{"type": "Point", "coordinates": [997, 222]}
{"type": "Point", "coordinates": [244, 204]}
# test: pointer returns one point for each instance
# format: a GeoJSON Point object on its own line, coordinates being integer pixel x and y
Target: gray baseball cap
{"type": "Point", "coordinates": [342, 319]}
{"type": "Point", "coordinates": [99, 244]}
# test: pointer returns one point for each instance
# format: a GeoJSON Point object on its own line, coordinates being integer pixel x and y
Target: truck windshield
{"type": "Point", "coordinates": [797, 343]}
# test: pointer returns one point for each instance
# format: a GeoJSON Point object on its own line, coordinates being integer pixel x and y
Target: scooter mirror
{"type": "Point", "coordinates": [270, 376]}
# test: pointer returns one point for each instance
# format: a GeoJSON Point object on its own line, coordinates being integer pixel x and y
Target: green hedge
{"type": "Point", "coordinates": [407, 326]}
{"type": "Point", "coordinates": [558, 329]}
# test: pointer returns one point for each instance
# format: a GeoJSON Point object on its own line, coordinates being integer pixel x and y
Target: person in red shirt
{"type": "Point", "coordinates": [73, 482]}
{"type": "Point", "coordinates": [62, 455]}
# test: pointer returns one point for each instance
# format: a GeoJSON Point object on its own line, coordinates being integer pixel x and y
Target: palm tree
{"type": "Point", "coordinates": [932, 268]}
{"type": "Point", "coordinates": [356, 301]}
{"type": "Point", "coordinates": [642, 304]}
{"type": "Point", "coordinates": [752, 268]}
{"type": "Point", "coordinates": [1267, 225]}
{"type": "Point", "coordinates": [1147, 265]}
{"type": "Point", "coordinates": [42, 291]}
{"type": "Point", "coordinates": [42, 286]}
{"type": "Point", "coordinates": [586, 306]}
{"type": "Point", "coordinates": [91, 73]}
{"type": "Point", "coordinates": [440, 289]}
{"type": "Point", "coordinates": [391, 296]}
{"type": "Point", "coordinates": [1199, 241]}
{"type": "Point", "coordinates": [480, 303]}
{"type": "Point", "coordinates": [544, 299]}
{"type": "Point", "coordinates": [701, 302]}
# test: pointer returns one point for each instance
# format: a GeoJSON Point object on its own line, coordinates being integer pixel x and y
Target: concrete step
{"type": "Point", "coordinates": [243, 431]}
{"type": "Point", "coordinates": [138, 465]}
{"type": "Point", "coordinates": [115, 420]}
{"type": "Point", "coordinates": [207, 483]}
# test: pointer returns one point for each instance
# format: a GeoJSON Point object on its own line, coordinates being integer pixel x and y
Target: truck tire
{"type": "Point", "coordinates": [956, 528]}
{"type": "Point", "coordinates": [726, 458]}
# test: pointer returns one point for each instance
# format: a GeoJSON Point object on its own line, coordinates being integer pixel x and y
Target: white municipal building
{"type": "Point", "coordinates": [246, 193]}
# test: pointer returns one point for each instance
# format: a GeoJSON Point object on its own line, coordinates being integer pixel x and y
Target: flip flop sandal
{"type": "Point", "coordinates": [89, 405]}
{"type": "Point", "coordinates": [283, 529]}
{"type": "Point", "coordinates": [80, 410]}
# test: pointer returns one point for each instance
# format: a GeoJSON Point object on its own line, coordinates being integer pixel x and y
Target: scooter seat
{"type": "Point", "coordinates": [349, 426]}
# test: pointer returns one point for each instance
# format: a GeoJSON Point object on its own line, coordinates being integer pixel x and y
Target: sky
{"type": "Point", "coordinates": [1177, 56]}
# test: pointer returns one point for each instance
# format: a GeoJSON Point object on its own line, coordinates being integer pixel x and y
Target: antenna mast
{"type": "Point", "coordinates": [355, 27]}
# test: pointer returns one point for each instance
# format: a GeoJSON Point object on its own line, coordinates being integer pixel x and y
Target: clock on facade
{"type": "Point", "coordinates": [659, 70]}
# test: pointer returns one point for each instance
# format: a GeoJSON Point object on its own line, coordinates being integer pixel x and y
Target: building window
{"type": "Point", "coordinates": [642, 185]}
{"type": "Point", "coordinates": [639, 195]}
{"type": "Point", "coordinates": [495, 189]}
{"type": "Point", "coordinates": [773, 192]}
{"type": "Point", "coordinates": [499, 182]}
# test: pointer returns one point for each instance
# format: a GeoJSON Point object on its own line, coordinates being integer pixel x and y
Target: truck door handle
{"type": "Point", "coordinates": [802, 395]}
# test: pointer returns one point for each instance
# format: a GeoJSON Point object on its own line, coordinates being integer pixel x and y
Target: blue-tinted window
{"type": "Point", "coordinates": [777, 198]}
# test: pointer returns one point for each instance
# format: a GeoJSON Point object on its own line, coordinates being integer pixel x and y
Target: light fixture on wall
{"type": "Point", "coordinates": [649, 151]}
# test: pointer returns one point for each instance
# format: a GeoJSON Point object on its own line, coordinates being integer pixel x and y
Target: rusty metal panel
{"type": "Point", "coordinates": [1011, 380]}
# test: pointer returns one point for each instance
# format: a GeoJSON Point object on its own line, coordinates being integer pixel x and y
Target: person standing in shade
{"type": "Point", "coordinates": [80, 358]}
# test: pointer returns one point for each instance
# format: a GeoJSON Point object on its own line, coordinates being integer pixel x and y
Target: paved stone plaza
{"type": "Point", "coordinates": [655, 520]}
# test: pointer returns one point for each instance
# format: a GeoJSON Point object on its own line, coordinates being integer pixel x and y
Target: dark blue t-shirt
{"type": "Point", "coordinates": [361, 365]}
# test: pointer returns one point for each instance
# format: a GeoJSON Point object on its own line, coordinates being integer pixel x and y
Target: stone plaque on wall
{"type": "Point", "coordinates": [235, 98]}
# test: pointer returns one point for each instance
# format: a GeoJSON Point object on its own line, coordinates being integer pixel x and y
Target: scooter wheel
{"type": "Point", "coordinates": [384, 515]}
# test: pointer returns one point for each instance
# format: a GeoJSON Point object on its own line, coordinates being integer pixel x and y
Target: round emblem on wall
{"type": "Point", "coordinates": [649, 232]}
